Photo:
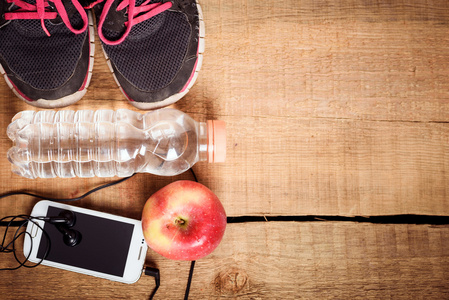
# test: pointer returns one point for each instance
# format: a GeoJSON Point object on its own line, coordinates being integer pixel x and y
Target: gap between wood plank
{"type": "Point", "coordinates": [390, 219]}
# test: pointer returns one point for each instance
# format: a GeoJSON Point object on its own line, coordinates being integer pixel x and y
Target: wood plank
{"type": "Point", "coordinates": [335, 167]}
{"type": "Point", "coordinates": [277, 260]}
{"type": "Point", "coordinates": [332, 167]}
{"type": "Point", "coordinates": [353, 59]}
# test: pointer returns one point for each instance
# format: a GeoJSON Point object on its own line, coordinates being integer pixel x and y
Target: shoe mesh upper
{"type": "Point", "coordinates": [153, 52]}
{"type": "Point", "coordinates": [41, 61]}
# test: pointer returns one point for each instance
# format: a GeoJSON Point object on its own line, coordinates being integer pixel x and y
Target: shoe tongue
{"type": "Point", "coordinates": [114, 24]}
{"type": "Point", "coordinates": [3, 9]}
{"type": "Point", "coordinates": [58, 19]}
{"type": "Point", "coordinates": [70, 9]}
{"type": "Point", "coordinates": [33, 27]}
{"type": "Point", "coordinates": [86, 3]}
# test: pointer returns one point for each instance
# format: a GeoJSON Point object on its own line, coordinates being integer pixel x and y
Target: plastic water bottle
{"type": "Point", "coordinates": [108, 143]}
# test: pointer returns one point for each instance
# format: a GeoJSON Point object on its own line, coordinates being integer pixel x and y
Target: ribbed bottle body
{"type": "Point", "coordinates": [103, 143]}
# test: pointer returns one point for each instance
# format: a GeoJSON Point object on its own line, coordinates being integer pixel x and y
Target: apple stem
{"type": "Point", "coordinates": [180, 221]}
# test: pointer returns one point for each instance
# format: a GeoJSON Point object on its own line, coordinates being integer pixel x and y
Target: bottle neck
{"type": "Point", "coordinates": [202, 141]}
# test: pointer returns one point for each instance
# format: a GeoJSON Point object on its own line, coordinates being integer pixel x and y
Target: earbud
{"type": "Point", "coordinates": [71, 237]}
{"type": "Point", "coordinates": [63, 222]}
{"type": "Point", "coordinates": [66, 217]}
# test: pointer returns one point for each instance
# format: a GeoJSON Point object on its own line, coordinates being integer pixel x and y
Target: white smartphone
{"type": "Point", "coordinates": [111, 247]}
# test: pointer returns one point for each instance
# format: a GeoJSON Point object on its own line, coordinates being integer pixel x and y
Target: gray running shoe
{"type": "Point", "coordinates": [46, 50]}
{"type": "Point", "coordinates": [153, 48]}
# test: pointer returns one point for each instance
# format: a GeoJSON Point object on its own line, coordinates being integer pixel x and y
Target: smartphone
{"type": "Point", "coordinates": [111, 247]}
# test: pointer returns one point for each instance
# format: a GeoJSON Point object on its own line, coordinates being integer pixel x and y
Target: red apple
{"type": "Point", "coordinates": [184, 221]}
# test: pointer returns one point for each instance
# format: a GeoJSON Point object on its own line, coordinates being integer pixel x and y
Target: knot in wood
{"type": "Point", "coordinates": [231, 281]}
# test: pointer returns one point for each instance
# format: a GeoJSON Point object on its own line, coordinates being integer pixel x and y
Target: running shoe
{"type": "Point", "coordinates": [46, 50]}
{"type": "Point", "coordinates": [153, 48]}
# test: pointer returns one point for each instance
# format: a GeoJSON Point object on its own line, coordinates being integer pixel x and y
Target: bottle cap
{"type": "Point", "coordinates": [216, 141]}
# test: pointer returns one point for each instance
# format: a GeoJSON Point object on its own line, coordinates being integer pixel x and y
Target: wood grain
{"type": "Point", "coordinates": [318, 260]}
{"type": "Point", "coordinates": [332, 108]}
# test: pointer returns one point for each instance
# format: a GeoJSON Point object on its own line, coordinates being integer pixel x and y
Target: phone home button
{"type": "Point", "coordinates": [34, 230]}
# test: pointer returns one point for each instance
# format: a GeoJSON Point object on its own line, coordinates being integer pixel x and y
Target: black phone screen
{"type": "Point", "coordinates": [104, 245]}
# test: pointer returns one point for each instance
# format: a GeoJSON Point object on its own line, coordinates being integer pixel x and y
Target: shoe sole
{"type": "Point", "coordinates": [173, 98]}
{"type": "Point", "coordinates": [69, 99]}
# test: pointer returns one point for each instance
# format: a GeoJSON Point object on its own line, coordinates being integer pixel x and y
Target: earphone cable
{"type": "Point", "coordinates": [10, 247]}
{"type": "Point", "coordinates": [20, 221]}
{"type": "Point", "coordinates": [192, 263]}
{"type": "Point", "coordinates": [67, 199]}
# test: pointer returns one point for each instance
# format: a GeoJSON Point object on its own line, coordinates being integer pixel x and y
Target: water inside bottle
{"type": "Point", "coordinates": [102, 143]}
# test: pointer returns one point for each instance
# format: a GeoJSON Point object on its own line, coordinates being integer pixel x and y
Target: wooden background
{"type": "Point", "coordinates": [333, 108]}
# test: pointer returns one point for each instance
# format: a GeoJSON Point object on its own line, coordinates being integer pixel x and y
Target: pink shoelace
{"type": "Point", "coordinates": [135, 15]}
{"type": "Point", "coordinates": [41, 11]}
